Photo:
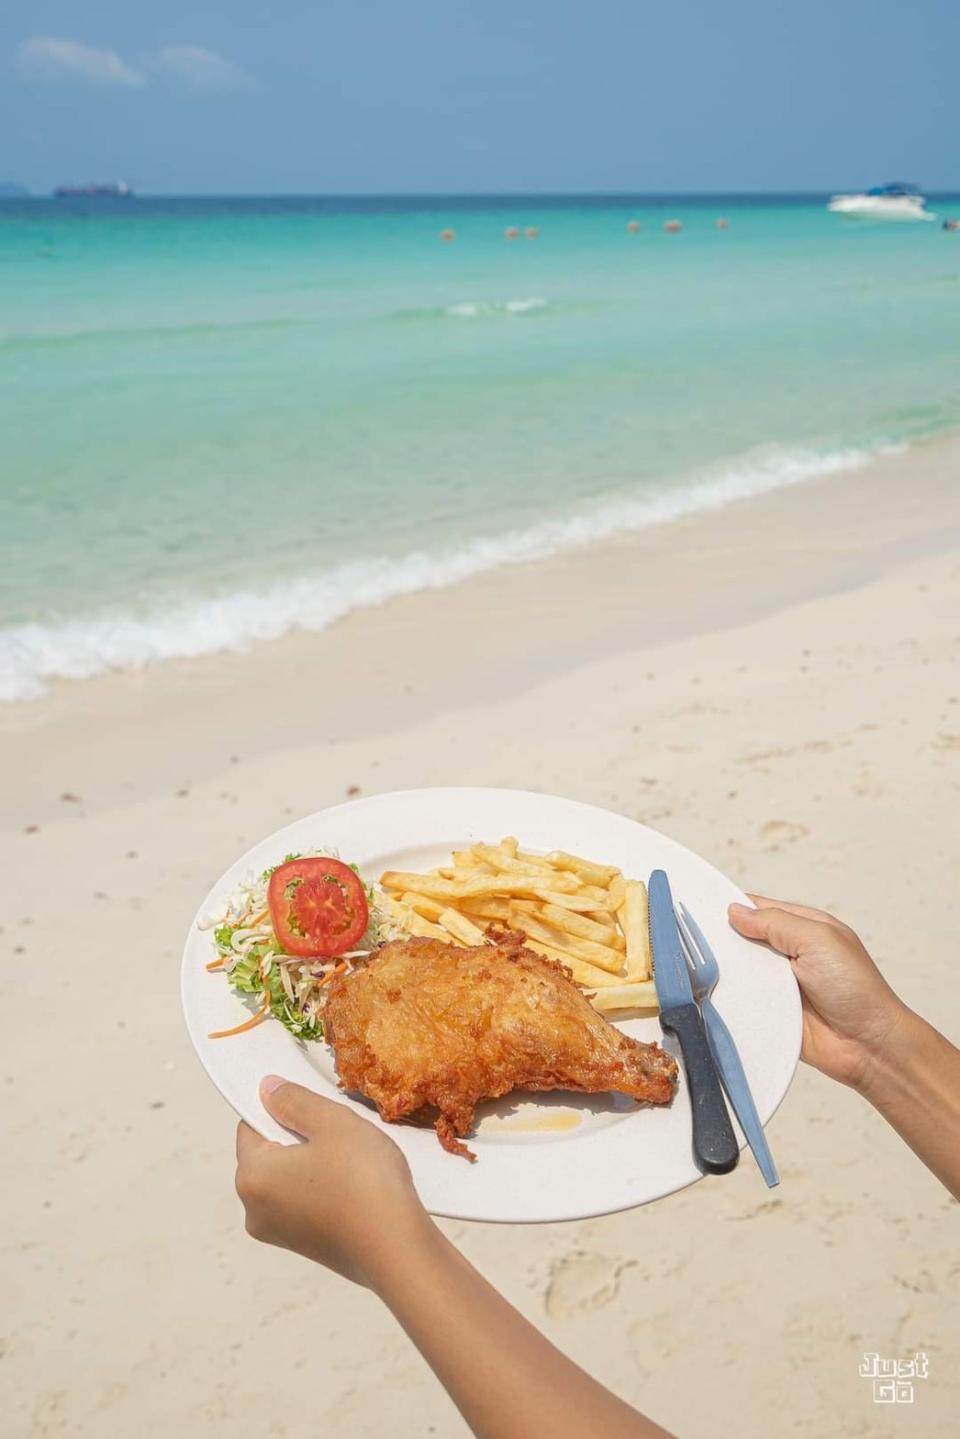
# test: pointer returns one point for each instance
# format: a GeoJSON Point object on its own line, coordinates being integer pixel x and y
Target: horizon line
{"type": "Point", "coordinates": [453, 195]}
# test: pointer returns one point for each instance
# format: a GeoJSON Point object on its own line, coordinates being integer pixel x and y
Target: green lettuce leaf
{"type": "Point", "coordinates": [246, 977]}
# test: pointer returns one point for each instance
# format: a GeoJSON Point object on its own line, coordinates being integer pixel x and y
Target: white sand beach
{"type": "Point", "coordinates": [777, 685]}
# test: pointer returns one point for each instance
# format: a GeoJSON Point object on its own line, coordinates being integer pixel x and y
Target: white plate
{"type": "Point", "coordinates": [544, 1157]}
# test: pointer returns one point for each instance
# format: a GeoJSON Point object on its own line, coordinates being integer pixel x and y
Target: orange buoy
{"type": "Point", "coordinates": [448, 234]}
{"type": "Point", "coordinates": [723, 223]}
{"type": "Point", "coordinates": [633, 226]}
{"type": "Point", "coordinates": [672, 226]}
{"type": "Point", "coordinates": [532, 233]}
{"type": "Point", "coordinates": [511, 233]}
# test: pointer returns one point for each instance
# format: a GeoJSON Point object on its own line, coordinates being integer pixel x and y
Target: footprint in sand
{"type": "Point", "coordinates": [580, 1283]}
{"type": "Point", "coordinates": [762, 757]}
{"type": "Point", "coordinates": [766, 1206]}
{"type": "Point", "coordinates": [867, 785]}
{"type": "Point", "coordinates": [778, 832]}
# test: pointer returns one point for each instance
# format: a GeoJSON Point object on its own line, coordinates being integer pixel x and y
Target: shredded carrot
{"type": "Point", "coordinates": [337, 969]}
{"type": "Point", "coordinates": [218, 963]}
{"type": "Point", "coordinates": [257, 919]}
{"type": "Point", "coordinates": [247, 1024]}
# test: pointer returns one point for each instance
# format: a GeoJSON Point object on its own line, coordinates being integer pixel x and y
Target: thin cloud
{"type": "Point", "coordinates": [190, 68]}
{"type": "Point", "coordinates": [48, 57]}
{"type": "Point", "coordinates": [199, 70]}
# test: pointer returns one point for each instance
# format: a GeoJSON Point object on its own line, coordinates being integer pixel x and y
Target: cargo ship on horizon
{"type": "Point", "coordinates": [115, 190]}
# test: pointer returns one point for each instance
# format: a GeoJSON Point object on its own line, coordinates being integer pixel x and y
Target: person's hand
{"type": "Point", "coordinates": [340, 1198]}
{"type": "Point", "coordinates": [850, 1013]}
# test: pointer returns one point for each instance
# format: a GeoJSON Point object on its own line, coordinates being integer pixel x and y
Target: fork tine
{"type": "Point", "coordinates": [687, 944]}
{"type": "Point", "coordinates": [703, 948]}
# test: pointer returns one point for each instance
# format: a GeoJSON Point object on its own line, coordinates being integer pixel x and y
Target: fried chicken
{"type": "Point", "coordinates": [427, 1025]}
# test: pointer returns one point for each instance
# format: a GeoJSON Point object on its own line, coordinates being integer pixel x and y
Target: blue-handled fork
{"type": "Point", "coordinates": [704, 973]}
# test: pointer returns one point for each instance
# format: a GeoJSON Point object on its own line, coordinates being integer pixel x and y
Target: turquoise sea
{"type": "Point", "coordinates": [222, 419]}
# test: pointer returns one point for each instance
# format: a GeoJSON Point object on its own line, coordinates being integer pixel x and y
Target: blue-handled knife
{"type": "Point", "coordinates": [714, 1142]}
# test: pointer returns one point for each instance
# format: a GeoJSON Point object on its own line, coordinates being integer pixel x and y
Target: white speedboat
{"type": "Point", "coordinates": [883, 202]}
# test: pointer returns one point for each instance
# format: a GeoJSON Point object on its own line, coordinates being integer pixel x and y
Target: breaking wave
{"type": "Point", "coordinates": [33, 654]}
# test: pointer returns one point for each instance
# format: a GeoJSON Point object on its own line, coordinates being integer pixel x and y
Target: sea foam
{"type": "Point", "coordinates": [489, 309]}
{"type": "Point", "coordinates": [32, 654]}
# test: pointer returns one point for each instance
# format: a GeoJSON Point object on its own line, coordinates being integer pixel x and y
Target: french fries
{"type": "Point", "coordinates": [415, 923]}
{"type": "Point", "coordinates": [634, 921]}
{"type": "Point", "coordinates": [423, 904]}
{"type": "Point", "coordinates": [586, 975]}
{"type": "Point", "coordinates": [601, 874]}
{"type": "Point", "coordinates": [586, 916]}
{"type": "Point", "coordinates": [586, 900]}
{"type": "Point", "coordinates": [467, 888]}
{"type": "Point", "coordinates": [583, 949]}
{"type": "Point", "coordinates": [572, 923]}
{"type": "Point", "coordinates": [461, 928]}
{"type": "Point", "coordinates": [638, 995]}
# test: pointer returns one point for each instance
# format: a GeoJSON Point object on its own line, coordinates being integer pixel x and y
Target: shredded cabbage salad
{"type": "Point", "coordinates": [251, 957]}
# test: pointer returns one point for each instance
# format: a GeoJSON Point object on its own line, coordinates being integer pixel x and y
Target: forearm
{"type": "Point", "coordinates": [506, 1379]}
{"type": "Point", "coordinates": [915, 1085]}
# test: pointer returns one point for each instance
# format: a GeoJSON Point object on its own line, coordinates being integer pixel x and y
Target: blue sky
{"type": "Point", "coordinates": [354, 96]}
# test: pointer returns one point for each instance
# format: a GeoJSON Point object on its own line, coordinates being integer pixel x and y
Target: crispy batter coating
{"type": "Point", "coordinates": [431, 1025]}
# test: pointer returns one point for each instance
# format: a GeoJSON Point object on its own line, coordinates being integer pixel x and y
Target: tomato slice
{"type": "Point", "coordinates": [318, 907]}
